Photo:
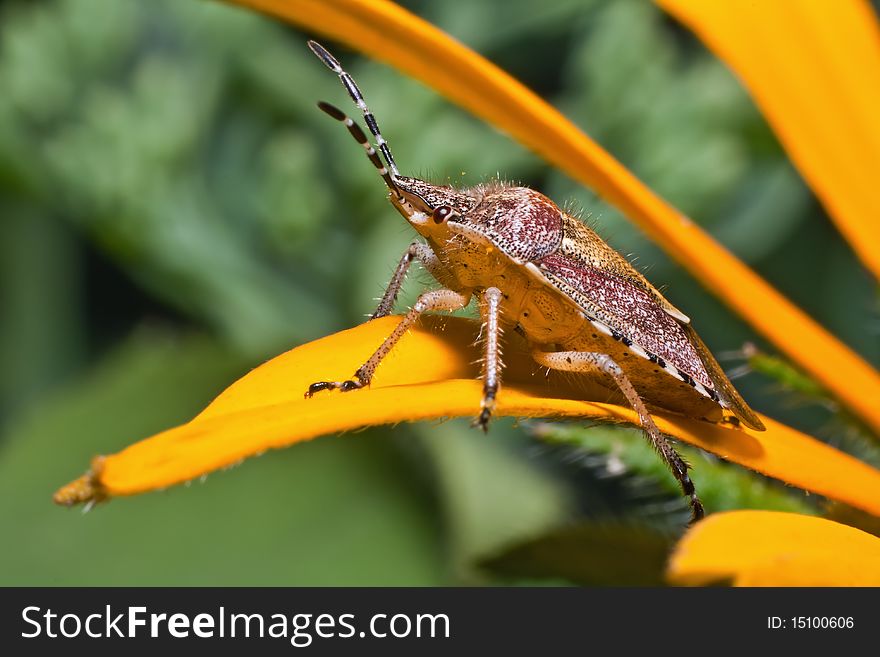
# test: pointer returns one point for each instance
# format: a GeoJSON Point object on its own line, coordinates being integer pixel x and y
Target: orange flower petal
{"type": "Point", "coordinates": [770, 548]}
{"type": "Point", "coordinates": [391, 34]}
{"type": "Point", "coordinates": [429, 375]}
{"type": "Point", "coordinates": [814, 70]}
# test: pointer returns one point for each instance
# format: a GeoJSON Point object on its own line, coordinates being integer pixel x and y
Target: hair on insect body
{"type": "Point", "coordinates": [533, 267]}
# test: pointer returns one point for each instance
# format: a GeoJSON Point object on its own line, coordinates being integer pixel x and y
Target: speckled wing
{"type": "Point", "coordinates": [613, 295]}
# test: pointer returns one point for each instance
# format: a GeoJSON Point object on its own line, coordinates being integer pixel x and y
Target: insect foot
{"type": "Point", "coordinates": [344, 386]}
{"type": "Point", "coordinates": [697, 511]}
{"type": "Point", "coordinates": [432, 300]}
{"type": "Point", "coordinates": [482, 420]}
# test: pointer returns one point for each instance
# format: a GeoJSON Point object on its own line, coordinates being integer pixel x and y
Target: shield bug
{"type": "Point", "coordinates": [579, 304]}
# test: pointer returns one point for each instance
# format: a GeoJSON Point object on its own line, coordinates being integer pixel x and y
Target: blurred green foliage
{"type": "Point", "coordinates": [175, 210]}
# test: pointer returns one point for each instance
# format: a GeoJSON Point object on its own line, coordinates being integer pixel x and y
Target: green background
{"type": "Point", "coordinates": [174, 210]}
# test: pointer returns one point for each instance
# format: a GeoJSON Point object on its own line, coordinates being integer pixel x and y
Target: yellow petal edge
{"type": "Point", "coordinates": [814, 70]}
{"type": "Point", "coordinates": [770, 548]}
{"type": "Point", "coordinates": [429, 375]}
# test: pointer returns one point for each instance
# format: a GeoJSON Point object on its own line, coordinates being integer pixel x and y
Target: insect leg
{"type": "Point", "coordinates": [492, 365]}
{"type": "Point", "coordinates": [432, 300]}
{"type": "Point", "coordinates": [416, 251]}
{"type": "Point", "coordinates": [578, 361]}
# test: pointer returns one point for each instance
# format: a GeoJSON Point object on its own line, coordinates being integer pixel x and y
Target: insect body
{"type": "Point", "coordinates": [580, 305]}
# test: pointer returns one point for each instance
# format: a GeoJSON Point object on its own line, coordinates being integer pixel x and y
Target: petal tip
{"type": "Point", "coordinates": [85, 489]}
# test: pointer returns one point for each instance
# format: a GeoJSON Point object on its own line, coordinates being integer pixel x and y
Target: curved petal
{"type": "Point", "coordinates": [429, 375]}
{"type": "Point", "coordinates": [814, 70]}
{"type": "Point", "coordinates": [391, 34]}
{"type": "Point", "coordinates": [770, 548]}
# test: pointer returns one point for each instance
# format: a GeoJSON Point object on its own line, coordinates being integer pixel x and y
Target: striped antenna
{"type": "Point", "coordinates": [354, 91]}
{"type": "Point", "coordinates": [355, 130]}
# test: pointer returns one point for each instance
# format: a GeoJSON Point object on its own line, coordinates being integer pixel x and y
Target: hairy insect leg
{"type": "Point", "coordinates": [432, 300]}
{"type": "Point", "coordinates": [490, 309]}
{"type": "Point", "coordinates": [578, 361]}
{"type": "Point", "coordinates": [416, 251]}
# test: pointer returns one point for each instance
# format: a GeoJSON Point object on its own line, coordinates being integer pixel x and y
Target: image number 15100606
{"type": "Point", "coordinates": [579, 304]}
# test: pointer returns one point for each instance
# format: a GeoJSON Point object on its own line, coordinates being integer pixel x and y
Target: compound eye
{"type": "Point", "coordinates": [441, 214]}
